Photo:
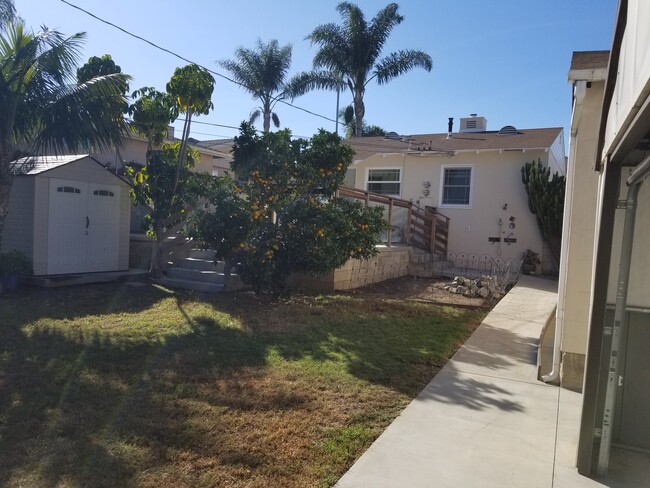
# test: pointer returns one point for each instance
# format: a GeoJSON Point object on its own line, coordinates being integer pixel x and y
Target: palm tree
{"type": "Point", "coordinates": [7, 11]}
{"type": "Point", "coordinates": [262, 72]}
{"type": "Point", "coordinates": [192, 87]}
{"type": "Point", "coordinates": [44, 108]}
{"type": "Point", "coordinates": [348, 55]}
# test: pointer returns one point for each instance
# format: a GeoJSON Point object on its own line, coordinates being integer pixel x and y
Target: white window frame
{"type": "Point", "coordinates": [391, 168]}
{"type": "Point", "coordinates": [442, 185]}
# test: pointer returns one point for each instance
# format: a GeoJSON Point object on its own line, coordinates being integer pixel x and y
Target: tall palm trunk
{"type": "Point", "coordinates": [267, 115]}
{"type": "Point", "coordinates": [359, 112]}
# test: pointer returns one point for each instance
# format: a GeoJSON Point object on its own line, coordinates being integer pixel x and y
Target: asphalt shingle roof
{"type": "Point", "coordinates": [589, 60]}
{"type": "Point", "coordinates": [365, 147]}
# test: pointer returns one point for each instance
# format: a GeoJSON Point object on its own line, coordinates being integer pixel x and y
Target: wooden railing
{"type": "Point", "coordinates": [425, 229]}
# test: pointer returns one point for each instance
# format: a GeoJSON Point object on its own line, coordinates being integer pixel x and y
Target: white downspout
{"type": "Point", "coordinates": [580, 89]}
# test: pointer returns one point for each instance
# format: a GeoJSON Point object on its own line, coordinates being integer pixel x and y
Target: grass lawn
{"type": "Point", "coordinates": [120, 385]}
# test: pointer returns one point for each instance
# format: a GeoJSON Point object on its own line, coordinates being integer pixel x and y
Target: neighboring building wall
{"type": "Point", "coordinates": [136, 150]}
{"type": "Point", "coordinates": [496, 181]}
{"type": "Point", "coordinates": [581, 207]}
{"type": "Point", "coordinates": [18, 230]}
{"type": "Point", "coordinates": [556, 159]}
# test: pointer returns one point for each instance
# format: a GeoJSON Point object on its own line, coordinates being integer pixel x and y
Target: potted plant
{"type": "Point", "coordinates": [529, 261]}
{"type": "Point", "coordinates": [12, 264]}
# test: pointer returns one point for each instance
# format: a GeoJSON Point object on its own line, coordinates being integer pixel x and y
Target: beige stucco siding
{"type": "Point", "coordinates": [135, 150]}
{"type": "Point", "coordinates": [581, 210]}
{"type": "Point", "coordinates": [18, 226]}
{"type": "Point", "coordinates": [495, 182]}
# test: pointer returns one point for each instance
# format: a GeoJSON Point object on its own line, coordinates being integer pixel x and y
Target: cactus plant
{"type": "Point", "coordinates": [546, 202]}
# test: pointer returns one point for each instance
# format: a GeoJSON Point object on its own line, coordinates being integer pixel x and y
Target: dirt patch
{"type": "Point", "coordinates": [423, 289]}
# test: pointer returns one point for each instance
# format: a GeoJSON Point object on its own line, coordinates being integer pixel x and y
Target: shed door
{"type": "Point", "coordinates": [83, 227]}
{"type": "Point", "coordinates": [104, 227]}
{"type": "Point", "coordinates": [66, 250]}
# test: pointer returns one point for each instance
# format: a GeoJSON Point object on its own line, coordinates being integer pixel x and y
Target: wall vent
{"type": "Point", "coordinates": [473, 123]}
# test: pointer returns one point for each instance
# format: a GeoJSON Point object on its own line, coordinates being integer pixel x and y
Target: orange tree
{"type": "Point", "coordinates": [282, 215]}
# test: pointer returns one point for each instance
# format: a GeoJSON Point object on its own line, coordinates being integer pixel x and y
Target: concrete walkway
{"type": "Point", "coordinates": [484, 420]}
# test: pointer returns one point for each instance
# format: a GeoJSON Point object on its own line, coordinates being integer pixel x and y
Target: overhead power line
{"type": "Point", "coordinates": [183, 58]}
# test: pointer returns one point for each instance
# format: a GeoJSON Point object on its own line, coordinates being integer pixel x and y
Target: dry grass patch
{"type": "Point", "coordinates": [117, 386]}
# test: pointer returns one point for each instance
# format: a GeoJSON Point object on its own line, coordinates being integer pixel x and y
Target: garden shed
{"type": "Point", "coordinates": [68, 214]}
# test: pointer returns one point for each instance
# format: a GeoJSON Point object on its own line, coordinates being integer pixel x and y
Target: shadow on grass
{"type": "Point", "coordinates": [87, 410]}
{"type": "Point", "coordinates": [29, 304]}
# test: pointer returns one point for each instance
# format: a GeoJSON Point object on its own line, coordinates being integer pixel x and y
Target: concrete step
{"type": "Point", "coordinates": [202, 254]}
{"type": "Point", "coordinates": [193, 285]}
{"type": "Point", "coordinates": [200, 264]}
{"type": "Point", "coordinates": [199, 275]}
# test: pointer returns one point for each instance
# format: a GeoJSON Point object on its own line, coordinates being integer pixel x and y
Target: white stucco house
{"type": "Point", "coordinates": [473, 176]}
{"type": "Point", "coordinates": [602, 333]}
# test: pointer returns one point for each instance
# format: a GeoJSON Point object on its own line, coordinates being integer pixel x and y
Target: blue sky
{"type": "Point", "coordinates": [504, 59]}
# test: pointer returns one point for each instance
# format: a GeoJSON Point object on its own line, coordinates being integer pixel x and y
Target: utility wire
{"type": "Point", "coordinates": [220, 75]}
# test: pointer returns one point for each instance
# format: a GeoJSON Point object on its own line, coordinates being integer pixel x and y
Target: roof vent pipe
{"type": "Point", "coordinates": [450, 127]}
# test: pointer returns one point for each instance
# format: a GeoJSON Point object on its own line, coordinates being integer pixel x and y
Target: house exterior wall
{"type": "Point", "coordinates": [495, 182]}
{"type": "Point", "coordinates": [556, 159]}
{"type": "Point", "coordinates": [633, 79]}
{"type": "Point", "coordinates": [626, 124]}
{"type": "Point", "coordinates": [136, 150]}
{"type": "Point", "coordinates": [581, 210]}
{"type": "Point", "coordinates": [18, 231]}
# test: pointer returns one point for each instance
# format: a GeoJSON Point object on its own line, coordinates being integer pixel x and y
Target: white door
{"type": "Point", "coordinates": [66, 249]}
{"type": "Point", "coordinates": [103, 227]}
{"type": "Point", "coordinates": [83, 227]}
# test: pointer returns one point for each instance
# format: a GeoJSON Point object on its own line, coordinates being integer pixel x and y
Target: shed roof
{"type": "Point", "coordinates": [33, 165]}
{"type": "Point", "coordinates": [364, 147]}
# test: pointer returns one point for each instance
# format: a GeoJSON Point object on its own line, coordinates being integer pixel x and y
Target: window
{"type": "Point", "coordinates": [68, 189]}
{"type": "Point", "coordinates": [456, 186]}
{"type": "Point", "coordinates": [385, 181]}
{"type": "Point", "coordinates": [103, 193]}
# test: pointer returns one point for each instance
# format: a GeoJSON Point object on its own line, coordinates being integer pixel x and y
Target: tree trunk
{"type": "Point", "coordinates": [181, 155]}
{"type": "Point", "coordinates": [266, 114]}
{"type": "Point", "coordinates": [155, 270]}
{"type": "Point", "coordinates": [359, 112]}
